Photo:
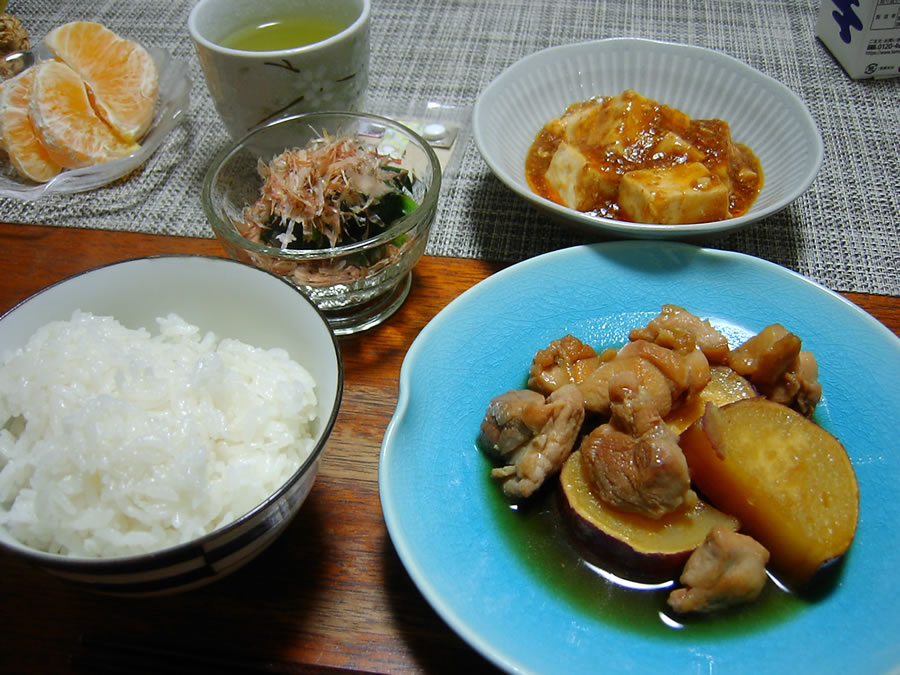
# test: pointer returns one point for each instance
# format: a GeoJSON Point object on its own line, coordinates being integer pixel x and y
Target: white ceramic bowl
{"type": "Point", "coordinates": [763, 114]}
{"type": "Point", "coordinates": [234, 300]}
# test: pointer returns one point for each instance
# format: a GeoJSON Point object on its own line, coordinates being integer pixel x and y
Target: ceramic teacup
{"type": "Point", "coordinates": [252, 87]}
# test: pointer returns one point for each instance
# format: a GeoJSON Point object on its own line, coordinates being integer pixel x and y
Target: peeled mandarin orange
{"type": "Point", "coordinates": [121, 76]}
{"type": "Point", "coordinates": [25, 151]}
{"type": "Point", "coordinates": [65, 121]}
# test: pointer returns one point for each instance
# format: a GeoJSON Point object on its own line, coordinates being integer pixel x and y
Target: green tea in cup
{"type": "Point", "coordinates": [266, 60]}
{"type": "Point", "coordinates": [285, 33]}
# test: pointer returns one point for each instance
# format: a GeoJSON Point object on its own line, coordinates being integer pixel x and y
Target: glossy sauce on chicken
{"type": "Point", "coordinates": [618, 411]}
{"type": "Point", "coordinates": [633, 159]}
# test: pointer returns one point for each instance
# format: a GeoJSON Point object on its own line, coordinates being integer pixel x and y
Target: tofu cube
{"type": "Point", "coordinates": [715, 136]}
{"type": "Point", "coordinates": [619, 122]}
{"type": "Point", "coordinates": [674, 146]}
{"type": "Point", "coordinates": [684, 193]}
{"type": "Point", "coordinates": [579, 185]}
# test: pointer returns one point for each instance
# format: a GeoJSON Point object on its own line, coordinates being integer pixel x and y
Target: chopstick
{"type": "Point", "coordinates": [109, 653]}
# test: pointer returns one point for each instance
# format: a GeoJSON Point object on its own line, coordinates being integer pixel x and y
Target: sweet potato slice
{"type": "Point", "coordinates": [725, 386]}
{"type": "Point", "coordinates": [788, 481]}
{"type": "Point", "coordinates": [628, 544]}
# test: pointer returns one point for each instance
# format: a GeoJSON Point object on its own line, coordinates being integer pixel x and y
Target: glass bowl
{"type": "Point", "coordinates": [171, 109]}
{"type": "Point", "coordinates": [357, 286]}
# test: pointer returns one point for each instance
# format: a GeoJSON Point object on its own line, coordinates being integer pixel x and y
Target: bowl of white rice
{"type": "Point", "coordinates": [162, 421]}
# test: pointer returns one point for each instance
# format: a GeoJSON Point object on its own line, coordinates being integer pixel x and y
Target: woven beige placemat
{"type": "Point", "coordinates": [843, 233]}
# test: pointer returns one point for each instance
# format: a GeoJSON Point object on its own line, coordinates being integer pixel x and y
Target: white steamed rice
{"type": "Point", "coordinates": [116, 442]}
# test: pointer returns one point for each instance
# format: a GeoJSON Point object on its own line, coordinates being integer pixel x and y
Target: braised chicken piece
{"type": "Point", "coordinates": [774, 363]}
{"type": "Point", "coordinates": [634, 461]}
{"type": "Point", "coordinates": [566, 360]}
{"type": "Point", "coordinates": [532, 435]}
{"type": "Point", "coordinates": [799, 388]}
{"type": "Point", "coordinates": [727, 569]}
{"type": "Point", "coordinates": [678, 329]}
{"type": "Point", "coordinates": [512, 419]}
{"type": "Point", "coordinates": [766, 356]}
{"type": "Point", "coordinates": [665, 375]}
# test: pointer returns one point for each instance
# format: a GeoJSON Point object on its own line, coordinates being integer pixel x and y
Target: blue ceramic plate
{"type": "Point", "coordinates": [450, 533]}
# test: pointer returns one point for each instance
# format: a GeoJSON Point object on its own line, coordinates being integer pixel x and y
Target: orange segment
{"type": "Point", "coordinates": [66, 123]}
{"type": "Point", "coordinates": [120, 74]}
{"type": "Point", "coordinates": [25, 151]}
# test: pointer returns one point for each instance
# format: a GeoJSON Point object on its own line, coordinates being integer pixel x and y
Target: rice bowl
{"type": "Point", "coordinates": [146, 441]}
{"type": "Point", "coordinates": [180, 434]}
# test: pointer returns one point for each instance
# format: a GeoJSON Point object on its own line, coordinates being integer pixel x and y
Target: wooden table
{"type": "Point", "coordinates": [330, 595]}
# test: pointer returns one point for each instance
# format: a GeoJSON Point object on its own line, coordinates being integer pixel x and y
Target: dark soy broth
{"type": "Point", "coordinates": [539, 536]}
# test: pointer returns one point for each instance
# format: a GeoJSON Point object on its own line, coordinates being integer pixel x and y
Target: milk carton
{"type": "Point", "coordinates": [863, 35]}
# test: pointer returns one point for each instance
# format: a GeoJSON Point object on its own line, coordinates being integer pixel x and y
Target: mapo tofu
{"type": "Point", "coordinates": [630, 158]}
